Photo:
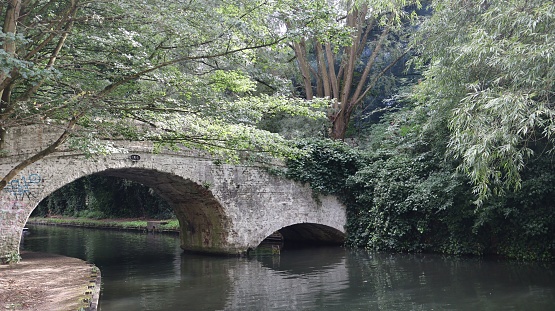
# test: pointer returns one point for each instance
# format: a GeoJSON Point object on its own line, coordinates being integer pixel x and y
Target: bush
{"type": "Point", "coordinates": [405, 195]}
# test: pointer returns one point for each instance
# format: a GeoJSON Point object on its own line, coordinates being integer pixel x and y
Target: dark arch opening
{"type": "Point", "coordinates": [97, 197]}
{"type": "Point", "coordinates": [311, 234]}
{"type": "Point", "coordinates": [201, 217]}
{"type": "Point", "coordinates": [302, 235]}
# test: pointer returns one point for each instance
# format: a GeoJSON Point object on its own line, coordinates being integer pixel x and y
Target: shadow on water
{"type": "Point", "coordinates": [435, 282]}
{"type": "Point", "coordinates": [102, 247]}
{"type": "Point", "coordinates": [304, 260]}
{"type": "Point", "coordinates": [150, 272]}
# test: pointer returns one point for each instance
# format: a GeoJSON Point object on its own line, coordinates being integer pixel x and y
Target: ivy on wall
{"type": "Point", "coordinates": [405, 195]}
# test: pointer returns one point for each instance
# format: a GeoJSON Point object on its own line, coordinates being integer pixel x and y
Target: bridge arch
{"type": "Point", "coordinates": [305, 233]}
{"type": "Point", "coordinates": [225, 209]}
{"type": "Point", "coordinates": [202, 218]}
{"type": "Point", "coordinates": [311, 233]}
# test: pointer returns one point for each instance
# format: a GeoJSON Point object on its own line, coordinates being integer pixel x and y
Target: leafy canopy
{"type": "Point", "coordinates": [172, 72]}
{"type": "Point", "coordinates": [491, 75]}
{"type": "Point", "coordinates": [344, 50]}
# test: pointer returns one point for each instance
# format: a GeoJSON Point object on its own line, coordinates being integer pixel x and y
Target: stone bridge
{"type": "Point", "coordinates": [221, 208]}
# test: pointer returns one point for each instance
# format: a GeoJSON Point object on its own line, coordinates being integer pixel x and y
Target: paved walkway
{"type": "Point", "coordinates": [49, 282]}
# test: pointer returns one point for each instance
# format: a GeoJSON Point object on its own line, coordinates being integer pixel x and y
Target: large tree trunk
{"type": "Point", "coordinates": [304, 66]}
{"type": "Point", "coordinates": [9, 46]}
{"type": "Point", "coordinates": [339, 126]}
{"type": "Point", "coordinates": [323, 70]}
{"type": "Point", "coordinates": [338, 73]}
{"type": "Point", "coordinates": [10, 24]}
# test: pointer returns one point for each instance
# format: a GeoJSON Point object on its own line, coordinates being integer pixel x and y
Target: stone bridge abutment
{"type": "Point", "coordinates": [222, 209]}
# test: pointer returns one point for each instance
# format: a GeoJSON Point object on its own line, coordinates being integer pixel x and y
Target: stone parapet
{"type": "Point", "coordinates": [221, 208]}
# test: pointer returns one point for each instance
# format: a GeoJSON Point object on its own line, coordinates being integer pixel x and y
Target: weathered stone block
{"type": "Point", "coordinates": [225, 209]}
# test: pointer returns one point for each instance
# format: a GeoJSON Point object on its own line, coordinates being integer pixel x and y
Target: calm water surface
{"type": "Point", "coordinates": [150, 272]}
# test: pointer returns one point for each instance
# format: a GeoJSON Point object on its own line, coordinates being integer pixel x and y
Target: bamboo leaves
{"type": "Point", "coordinates": [491, 67]}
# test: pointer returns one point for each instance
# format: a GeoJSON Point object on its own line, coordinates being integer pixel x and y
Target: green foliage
{"type": "Point", "coordinates": [11, 258]}
{"type": "Point", "coordinates": [183, 74]}
{"type": "Point", "coordinates": [326, 165]}
{"type": "Point", "coordinates": [294, 127]}
{"type": "Point", "coordinates": [490, 75]}
{"type": "Point", "coordinates": [408, 198]}
{"type": "Point", "coordinates": [404, 195]}
{"type": "Point", "coordinates": [172, 225]}
{"type": "Point", "coordinates": [232, 81]}
{"type": "Point", "coordinates": [523, 222]}
{"type": "Point", "coordinates": [98, 197]}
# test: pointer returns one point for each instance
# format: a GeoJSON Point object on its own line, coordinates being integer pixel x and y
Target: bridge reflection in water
{"type": "Point", "coordinates": [150, 272]}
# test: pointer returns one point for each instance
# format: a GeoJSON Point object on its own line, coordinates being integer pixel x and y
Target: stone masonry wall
{"type": "Point", "coordinates": [221, 208]}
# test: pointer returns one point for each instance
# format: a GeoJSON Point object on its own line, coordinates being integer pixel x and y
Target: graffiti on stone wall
{"type": "Point", "coordinates": [24, 186]}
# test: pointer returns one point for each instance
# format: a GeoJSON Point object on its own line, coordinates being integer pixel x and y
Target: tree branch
{"type": "Point", "coordinates": [41, 154]}
{"type": "Point", "coordinates": [53, 34]}
{"type": "Point", "coordinates": [322, 68]}
{"type": "Point", "coordinates": [332, 75]}
{"type": "Point", "coordinates": [108, 89]}
{"type": "Point", "coordinates": [369, 66]}
{"type": "Point", "coordinates": [300, 52]}
{"type": "Point", "coordinates": [379, 75]}
{"type": "Point", "coordinates": [350, 62]}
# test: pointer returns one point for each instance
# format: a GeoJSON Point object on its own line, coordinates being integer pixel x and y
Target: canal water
{"type": "Point", "coordinates": [143, 271]}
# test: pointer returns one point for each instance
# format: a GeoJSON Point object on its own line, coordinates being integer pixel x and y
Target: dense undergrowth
{"type": "Point", "coordinates": [404, 194]}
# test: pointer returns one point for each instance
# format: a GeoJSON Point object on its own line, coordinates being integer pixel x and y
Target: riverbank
{"type": "Point", "coordinates": [170, 225]}
{"type": "Point", "coordinates": [44, 281]}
